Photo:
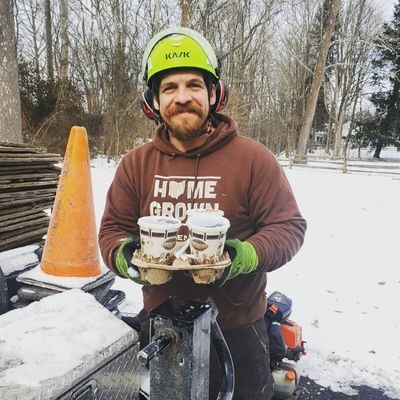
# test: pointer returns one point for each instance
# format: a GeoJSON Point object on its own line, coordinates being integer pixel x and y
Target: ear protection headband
{"type": "Point", "coordinates": [147, 102]}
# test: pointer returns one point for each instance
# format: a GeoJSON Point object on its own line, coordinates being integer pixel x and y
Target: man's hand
{"type": "Point", "coordinates": [243, 255]}
{"type": "Point", "coordinates": [244, 260]}
{"type": "Point", "coordinates": [123, 259]}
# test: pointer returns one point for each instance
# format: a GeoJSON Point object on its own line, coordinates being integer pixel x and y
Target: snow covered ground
{"type": "Point", "coordinates": [344, 283]}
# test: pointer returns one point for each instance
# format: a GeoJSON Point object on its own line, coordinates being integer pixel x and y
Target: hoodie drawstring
{"type": "Point", "coordinates": [196, 171]}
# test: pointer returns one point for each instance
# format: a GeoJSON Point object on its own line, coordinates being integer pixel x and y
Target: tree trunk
{"type": "Point", "coordinates": [316, 83]}
{"type": "Point", "coordinates": [64, 40]}
{"type": "Point", "coordinates": [157, 17]}
{"type": "Point", "coordinates": [338, 139]}
{"type": "Point", "coordinates": [35, 34]}
{"type": "Point", "coordinates": [187, 7]}
{"type": "Point", "coordinates": [49, 41]}
{"type": "Point", "coordinates": [10, 106]}
{"type": "Point", "coordinates": [64, 51]}
{"type": "Point", "coordinates": [378, 149]}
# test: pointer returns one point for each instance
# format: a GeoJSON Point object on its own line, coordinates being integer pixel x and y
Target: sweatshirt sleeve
{"type": "Point", "coordinates": [279, 225]}
{"type": "Point", "coordinates": [120, 215]}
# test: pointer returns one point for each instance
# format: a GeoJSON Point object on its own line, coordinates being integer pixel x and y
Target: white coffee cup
{"type": "Point", "coordinates": [158, 237]}
{"type": "Point", "coordinates": [207, 234]}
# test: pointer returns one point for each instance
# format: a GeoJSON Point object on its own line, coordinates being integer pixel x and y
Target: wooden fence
{"type": "Point", "coordinates": [346, 165]}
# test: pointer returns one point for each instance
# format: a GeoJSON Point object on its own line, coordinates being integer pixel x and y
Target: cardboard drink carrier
{"type": "Point", "coordinates": [202, 255]}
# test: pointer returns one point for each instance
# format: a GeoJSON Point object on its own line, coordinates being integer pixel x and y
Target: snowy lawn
{"type": "Point", "coordinates": [344, 283]}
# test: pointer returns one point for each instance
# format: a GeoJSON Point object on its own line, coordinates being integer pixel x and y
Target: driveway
{"type": "Point", "coordinates": [309, 390]}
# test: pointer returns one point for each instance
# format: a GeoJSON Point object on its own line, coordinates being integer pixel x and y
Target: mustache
{"type": "Point", "coordinates": [180, 109]}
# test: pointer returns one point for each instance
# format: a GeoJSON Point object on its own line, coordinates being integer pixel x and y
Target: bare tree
{"type": "Point", "coordinates": [290, 71]}
{"type": "Point", "coordinates": [30, 25]}
{"type": "Point", "coordinates": [334, 6]}
{"type": "Point", "coordinates": [240, 37]}
{"type": "Point", "coordinates": [268, 50]}
{"type": "Point", "coordinates": [351, 64]}
{"type": "Point", "coordinates": [10, 108]}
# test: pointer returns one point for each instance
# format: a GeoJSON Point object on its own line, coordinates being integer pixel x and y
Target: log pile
{"type": "Point", "coordinates": [28, 184]}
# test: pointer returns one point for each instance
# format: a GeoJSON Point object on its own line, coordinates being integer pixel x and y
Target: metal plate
{"type": "Point", "coordinates": [116, 380]}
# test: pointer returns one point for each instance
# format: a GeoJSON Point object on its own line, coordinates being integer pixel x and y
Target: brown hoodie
{"type": "Point", "coordinates": [230, 172]}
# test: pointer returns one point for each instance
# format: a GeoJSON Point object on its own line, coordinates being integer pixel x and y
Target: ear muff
{"type": "Point", "coordinates": [147, 105]}
{"type": "Point", "coordinates": [222, 96]}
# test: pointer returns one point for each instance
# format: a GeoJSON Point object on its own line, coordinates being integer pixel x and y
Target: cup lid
{"type": "Point", "coordinates": [212, 211]}
{"type": "Point", "coordinates": [154, 221]}
{"type": "Point", "coordinates": [208, 222]}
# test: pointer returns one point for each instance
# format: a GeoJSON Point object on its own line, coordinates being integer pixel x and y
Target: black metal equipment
{"type": "Point", "coordinates": [175, 364]}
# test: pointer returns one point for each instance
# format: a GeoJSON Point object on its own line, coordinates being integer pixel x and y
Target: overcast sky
{"type": "Point", "coordinates": [387, 7]}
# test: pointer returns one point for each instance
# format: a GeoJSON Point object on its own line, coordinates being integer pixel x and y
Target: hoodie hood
{"type": "Point", "coordinates": [225, 131]}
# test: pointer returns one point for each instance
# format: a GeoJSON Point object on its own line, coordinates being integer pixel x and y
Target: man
{"type": "Point", "coordinates": [198, 159]}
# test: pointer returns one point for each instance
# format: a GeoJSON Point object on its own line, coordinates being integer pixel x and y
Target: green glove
{"type": "Point", "coordinates": [124, 256]}
{"type": "Point", "coordinates": [243, 255]}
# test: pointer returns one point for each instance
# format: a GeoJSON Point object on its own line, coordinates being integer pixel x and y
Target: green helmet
{"type": "Point", "coordinates": [178, 48]}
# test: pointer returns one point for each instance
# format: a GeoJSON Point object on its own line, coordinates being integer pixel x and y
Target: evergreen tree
{"type": "Point", "coordinates": [386, 128]}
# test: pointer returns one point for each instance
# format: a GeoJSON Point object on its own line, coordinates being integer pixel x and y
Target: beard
{"type": "Point", "coordinates": [186, 126]}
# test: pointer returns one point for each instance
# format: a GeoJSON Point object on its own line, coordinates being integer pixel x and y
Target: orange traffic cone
{"type": "Point", "coordinates": [71, 245]}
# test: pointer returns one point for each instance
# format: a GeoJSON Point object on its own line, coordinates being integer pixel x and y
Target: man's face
{"type": "Point", "coordinates": [184, 103]}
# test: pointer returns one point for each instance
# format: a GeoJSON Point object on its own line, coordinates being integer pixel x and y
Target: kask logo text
{"type": "Point", "coordinates": [181, 54]}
